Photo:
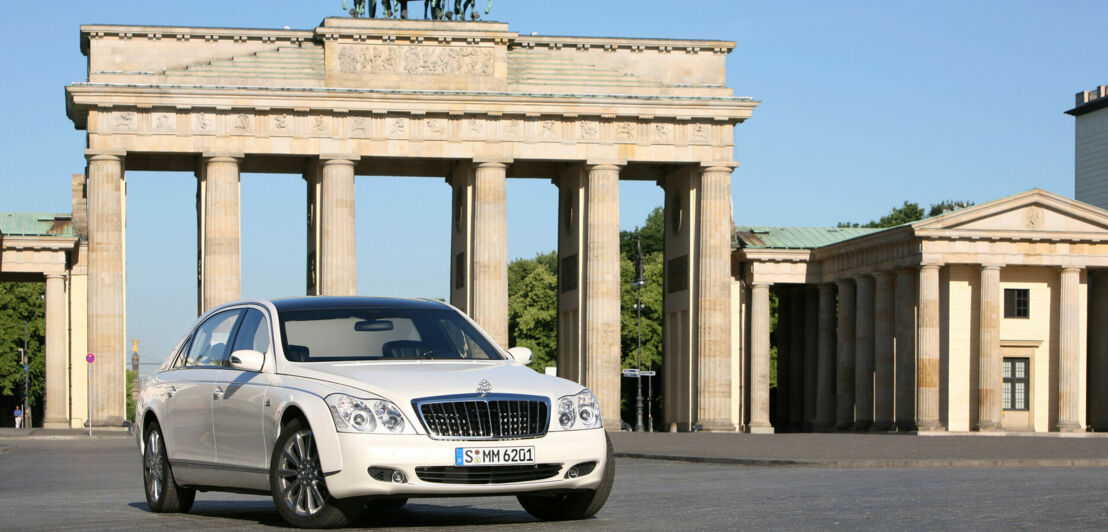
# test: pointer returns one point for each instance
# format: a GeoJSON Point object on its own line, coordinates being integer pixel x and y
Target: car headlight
{"type": "Point", "coordinates": [352, 414]}
{"type": "Point", "coordinates": [579, 411]}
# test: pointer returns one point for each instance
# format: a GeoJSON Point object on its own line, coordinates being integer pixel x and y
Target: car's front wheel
{"type": "Point", "coordinates": [299, 489]}
{"type": "Point", "coordinates": [574, 505]}
{"type": "Point", "coordinates": [163, 495]}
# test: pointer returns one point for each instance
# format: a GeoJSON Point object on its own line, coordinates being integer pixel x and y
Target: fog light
{"type": "Point", "coordinates": [580, 470]}
{"type": "Point", "coordinates": [398, 477]}
{"type": "Point", "coordinates": [387, 474]}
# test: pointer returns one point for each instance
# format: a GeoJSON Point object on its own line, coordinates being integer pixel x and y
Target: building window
{"type": "Point", "coordinates": [1016, 373]}
{"type": "Point", "coordinates": [1017, 303]}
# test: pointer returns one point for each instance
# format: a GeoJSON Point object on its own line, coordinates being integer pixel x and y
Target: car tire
{"type": "Point", "coordinates": [574, 505]}
{"type": "Point", "coordinates": [297, 484]}
{"type": "Point", "coordinates": [388, 503]}
{"type": "Point", "coordinates": [163, 495]}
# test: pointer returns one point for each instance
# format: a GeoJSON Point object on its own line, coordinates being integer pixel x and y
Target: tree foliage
{"type": "Point", "coordinates": [533, 308]}
{"type": "Point", "coordinates": [21, 302]}
{"type": "Point", "coordinates": [911, 212]}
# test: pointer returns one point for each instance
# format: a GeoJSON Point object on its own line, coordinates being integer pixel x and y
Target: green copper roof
{"type": "Point", "coordinates": [36, 224]}
{"type": "Point", "coordinates": [765, 237]}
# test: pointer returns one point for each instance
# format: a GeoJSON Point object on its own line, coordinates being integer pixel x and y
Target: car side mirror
{"type": "Point", "coordinates": [521, 355]}
{"type": "Point", "coordinates": [248, 360]}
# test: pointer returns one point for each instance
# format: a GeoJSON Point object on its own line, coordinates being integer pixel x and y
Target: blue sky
{"type": "Point", "coordinates": [864, 105]}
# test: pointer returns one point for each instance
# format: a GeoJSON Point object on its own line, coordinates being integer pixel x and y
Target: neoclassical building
{"type": "Point", "coordinates": [989, 318]}
{"type": "Point", "coordinates": [53, 249]}
{"type": "Point", "coordinates": [471, 102]}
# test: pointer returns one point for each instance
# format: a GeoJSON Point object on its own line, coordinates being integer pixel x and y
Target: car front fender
{"type": "Point", "coordinates": [319, 419]}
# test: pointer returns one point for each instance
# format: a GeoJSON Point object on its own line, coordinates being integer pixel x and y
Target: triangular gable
{"type": "Point", "coordinates": [1034, 210]}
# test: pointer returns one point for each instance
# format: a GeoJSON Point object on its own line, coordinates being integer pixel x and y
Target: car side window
{"type": "Point", "coordinates": [209, 343]}
{"type": "Point", "coordinates": [253, 333]}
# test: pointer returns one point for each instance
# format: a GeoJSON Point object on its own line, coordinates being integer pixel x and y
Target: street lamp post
{"type": "Point", "coordinates": [640, 281]}
{"type": "Point", "coordinates": [26, 379]}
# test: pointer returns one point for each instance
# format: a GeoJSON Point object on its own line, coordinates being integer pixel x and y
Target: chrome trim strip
{"type": "Point", "coordinates": [433, 427]}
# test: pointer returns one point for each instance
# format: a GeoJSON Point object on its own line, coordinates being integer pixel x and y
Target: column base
{"type": "Point", "coordinates": [760, 429]}
{"type": "Point", "coordinates": [905, 427]}
{"type": "Point", "coordinates": [882, 426]}
{"type": "Point", "coordinates": [1070, 426]}
{"type": "Point", "coordinates": [988, 426]}
{"type": "Point", "coordinates": [844, 426]}
{"type": "Point", "coordinates": [717, 426]}
{"type": "Point", "coordinates": [863, 426]}
{"type": "Point", "coordinates": [930, 426]}
{"type": "Point", "coordinates": [52, 424]}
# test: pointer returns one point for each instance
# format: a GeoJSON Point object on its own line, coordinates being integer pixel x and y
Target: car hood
{"type": "Point", "coordinates": [403, 381]}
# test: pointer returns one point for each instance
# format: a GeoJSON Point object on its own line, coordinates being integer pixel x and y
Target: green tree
{"type": "Point", "coordinates": [946, 206]}
{"type": "Point", "coordinates": [652, 232]}
{"type": "Point", "coordinates": [911, 212]}
{"type": "Point", "coordinates": [130, 399]}
{"type": "Point", "coordinates": [533, 308]}
{"type": "Point", "coordinates": [21, 302]}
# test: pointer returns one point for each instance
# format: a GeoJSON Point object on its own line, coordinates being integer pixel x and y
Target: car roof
{"type": "Point", "coordinates": [336, 302]}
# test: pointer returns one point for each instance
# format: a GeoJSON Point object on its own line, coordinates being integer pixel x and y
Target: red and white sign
{"type": "Point", "coordinates": [90, 358]}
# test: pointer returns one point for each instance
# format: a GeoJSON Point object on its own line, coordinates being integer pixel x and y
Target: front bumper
{"type": "Point", "coordinates": [406, 452]}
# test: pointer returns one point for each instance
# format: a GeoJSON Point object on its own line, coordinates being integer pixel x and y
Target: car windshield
{"type": "Point", "coordinates": [327, 335]}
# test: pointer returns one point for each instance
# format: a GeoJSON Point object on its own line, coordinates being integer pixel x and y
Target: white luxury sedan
{"type": "Point", "coordinates": [338, 404]}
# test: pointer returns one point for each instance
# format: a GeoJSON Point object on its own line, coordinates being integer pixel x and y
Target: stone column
{"type": "Point", "coordinates": [811, 354]}
{"type": "Point", "coordinates": [927, 389]}
{"type": "Point", "coordinates": [107, 286]}
{"type": "Point", "coordinates": [863, 354]}
{"type": "Point", "coordinates": [602, 289]}
{"type": "Point", "coordinates": [1069, 352]}
{"type": "Point", "coordinates": [1098, 350]}
{"type": "Point", "coordinates": [759, 360]}
{"type": "Point", "coordinates": [844, 411]}
{"type": "Point", "coordinates": [220, 264]}
{"type": "Point", "coordinates": [713, 299]}
{"type": "Point", "coordinates": [906, 349]}
{"type": "Point", "coordinates": [989, 362]}
{"type": "Point", "coordinates": [490, 251]}
{"type": "Point", "coordinates": [337, 263]}
{"type": "Point", "coordinates": [784, 358]}
{"type": "Point", "coordinates": [56, 366]}
{"type": "Point", "coordinates": [883, 353]}
{"type": "Point", "coordinates": [825, 365]}
{"type": "Point", "coordinates": [796, 364]}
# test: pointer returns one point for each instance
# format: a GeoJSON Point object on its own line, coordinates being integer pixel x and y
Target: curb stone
{"type": "Point", "coordinates": [875, 464]}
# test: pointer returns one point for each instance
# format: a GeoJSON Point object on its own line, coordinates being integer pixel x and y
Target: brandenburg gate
{"type": "Point", "coordinates": [471, 102]}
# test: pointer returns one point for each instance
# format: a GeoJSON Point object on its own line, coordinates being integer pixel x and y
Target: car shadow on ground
{"type": "Point", "coordinates": [413, 514]}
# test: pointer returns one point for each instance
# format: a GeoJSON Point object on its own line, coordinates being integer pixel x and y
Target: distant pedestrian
{"type": "Point", "coordinates": [18, 418]}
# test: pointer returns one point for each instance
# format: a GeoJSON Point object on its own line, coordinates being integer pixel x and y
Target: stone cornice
{"type": "Point", "coordinates": [101, 31]}
{"type": "Point", "coordinates": [38, 243]}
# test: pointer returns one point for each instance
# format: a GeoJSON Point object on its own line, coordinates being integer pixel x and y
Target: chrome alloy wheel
{"type": "Point", "coordinates": [153, 466]}
{"type": "Point", "coordinates": [300, 478]}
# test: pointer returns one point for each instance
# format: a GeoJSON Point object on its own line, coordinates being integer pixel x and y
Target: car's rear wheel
{"type": "Point", "coordinates": [572, 506]}
{"type": "Point", "coordinates": [299, 489]}
{"type": "Point", "coordinates": [163, 495]}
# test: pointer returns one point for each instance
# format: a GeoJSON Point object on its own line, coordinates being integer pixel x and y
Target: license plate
{"type": "Point", "coordinates": [476, 456]}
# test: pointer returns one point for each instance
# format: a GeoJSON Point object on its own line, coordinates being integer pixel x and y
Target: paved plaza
{"type": "Point", "coordinates": [78, 484]}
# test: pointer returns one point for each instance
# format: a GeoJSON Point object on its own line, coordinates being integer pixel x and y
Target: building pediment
{"type": "Point", "coordinates": [1035, 211]}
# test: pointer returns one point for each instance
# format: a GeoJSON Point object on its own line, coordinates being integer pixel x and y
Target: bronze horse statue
{"type": "Point", "coordinates": [432, 9]}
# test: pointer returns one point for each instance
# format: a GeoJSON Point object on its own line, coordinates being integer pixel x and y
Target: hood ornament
{"type": "Point", "coordinates": [484, 387]}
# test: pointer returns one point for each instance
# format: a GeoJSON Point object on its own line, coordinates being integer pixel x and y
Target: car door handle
{"type": "Point", "coordinates": [218, 393]}
{"type": "Point", "coordinates": [172, 391]}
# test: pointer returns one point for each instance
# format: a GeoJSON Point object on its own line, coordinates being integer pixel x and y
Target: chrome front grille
{"type": "Point", "coordinates": [491, 417]}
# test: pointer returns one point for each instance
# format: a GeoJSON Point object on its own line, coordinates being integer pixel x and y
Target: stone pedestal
{"type": "Point", "coordinates": [863, 354]}
{"type": "Point", "coordinates": [219, 231]}
{"type": "Point", "coordinates": [988, 361]}
{"type": "Point", "coordinates": [1069, 352]}
{"type": "Point", "coordinates": [825, 363]}
{"type": "Point", "coordinates": [759, 359]}
{"type": "Point", "coordinates": [883, 351]}
{"type": "Point", "coordinates": [337, 261]}
{"type": "Point", "coordinates": [107, 286]}
{"type": "Point", "coordinates": [56, 366]}
{"type": "Point", "coordinates": [844, 397]}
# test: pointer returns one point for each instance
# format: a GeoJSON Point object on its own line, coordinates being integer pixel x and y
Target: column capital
{"type": "Point", "coordinates": [592, 166]}
{"type": "Point", "coordinates": [931, 265]}
{"type": "Point", "coordinates": [843, 281]}
{"type": "Point", "coordinates": [1071, 269]}
{"type": "Point", "coordinates": [222, 156]}
{"type": "Point", "coordinates": [620, 163]}
{"type": "Point", "coordinates": [339, 158]}
{"type": "Point", "coordinates": [992, 266]}
{"type": "Point", "coordinates": [104, 155]}
{"type": "Point", "coordinates": [55, 276]}
{"type": "Point", "coordinates": [862, 277]}
{"type": "Point", "coordinates": [492, 163]}
{"type": "Point", "coordinates": [884, 274]}
{"type": "Point", "coordinates": [718, 166]}
{"type": "Point", "coordinates": [761, 284]}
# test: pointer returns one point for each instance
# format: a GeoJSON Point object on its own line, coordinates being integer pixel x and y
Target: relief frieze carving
{"type": "Point", "coordinates": [281, 123]}
{"type": "Point", "coordinates": [359, 127]}
{"type": "Point", "coordinates": [126, 121]}
{"type": "Point", "coordinates": [165, 122]}
{"type": "Point", "coordinates": [434, 127]}
{"type": "Point", "coordinates": [625, 131]}
{"type": "Point", "coordinates": [550, 129]}
{"type": "Point", "coordinates": [700, 134]}
{"type": "Point", "coordinates": [203, 123]}
{"type": "Point", "coordinates": [319, 125]}
{"type": "Point", "coordinates": [588, 130]}
{"type": "Point", "coordinates": [425, 60]}
{"type": "Point", "coordinates": [397, 128]}
{"type": "Point", "coordinates": [662, 133]}
{"type": "Point", "coordinates": [240, 123]}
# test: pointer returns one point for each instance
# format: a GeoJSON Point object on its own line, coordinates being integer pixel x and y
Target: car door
{"type": "Point", "coordinates": [189, 432]}
{"type": "Point", "coordinates": [239, 399]}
